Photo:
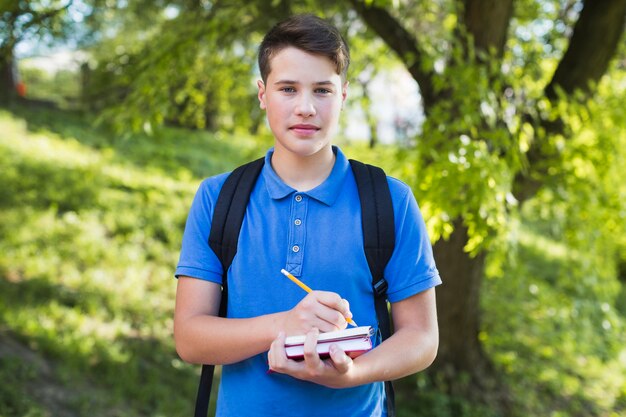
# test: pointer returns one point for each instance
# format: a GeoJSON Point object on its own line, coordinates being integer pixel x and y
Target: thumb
{"type": "Point", "coordinates": [340, 360]}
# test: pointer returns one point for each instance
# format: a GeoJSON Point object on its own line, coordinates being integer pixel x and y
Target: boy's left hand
{"type": "Point", "coordinates": [333, 372]}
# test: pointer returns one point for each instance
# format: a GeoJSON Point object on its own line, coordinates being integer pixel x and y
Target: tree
{"type": "Point", "coordinates": [489, 140]}
{"type": "Point", "coordinates": [200, 74]}
{"type": "Point", "coordinates": [21, 20]}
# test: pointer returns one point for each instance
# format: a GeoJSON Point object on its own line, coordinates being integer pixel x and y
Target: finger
{"type": "Point", "coordinates": [311, 357]}
{"type": "Point", "coordinates": [271, 354]}
{"type": "Point", "coordinates": [340, 360]}
{"type": "Point", "coordinates": [334, 301]}
{"type": "Point", "coordinates": [331, 299]}
{"type": "Point", "coordinates": [330, 320]}
{"type": "Point", "coordinates": [347, 312]}
{"type": "Point", "coordinates": [276, 357]}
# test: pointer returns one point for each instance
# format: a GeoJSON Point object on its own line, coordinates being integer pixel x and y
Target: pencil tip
{"type": "Point", "coordinates": [353, 323]}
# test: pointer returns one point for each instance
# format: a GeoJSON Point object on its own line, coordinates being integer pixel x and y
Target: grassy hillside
{"type": "Point", "coordinates": [90, 228]}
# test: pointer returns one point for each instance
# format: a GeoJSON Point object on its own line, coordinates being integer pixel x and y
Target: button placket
{"type": "Point", "coordinates": [295, 253]}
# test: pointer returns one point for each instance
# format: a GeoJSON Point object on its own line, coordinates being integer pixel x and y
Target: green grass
{"type": "Point", "coordinates": [552, 326]}
{"type": "Point", "coordinates": [90, 228]}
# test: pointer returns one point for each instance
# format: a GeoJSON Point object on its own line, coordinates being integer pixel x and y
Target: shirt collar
{"type": "Point", "coordinates": [326, 192]}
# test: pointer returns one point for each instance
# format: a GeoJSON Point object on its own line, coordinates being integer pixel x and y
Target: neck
{"type": "Point", "coordinates": [303, 173]}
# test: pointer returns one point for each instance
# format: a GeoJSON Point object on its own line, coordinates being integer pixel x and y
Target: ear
{"type": "Point", "coordinates": [344, 92]}
{"type": "Point", "coordinates": [261, 94]}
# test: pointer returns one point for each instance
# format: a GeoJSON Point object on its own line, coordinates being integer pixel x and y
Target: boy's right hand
{"type": "Point", "coordinates": [324, 310]}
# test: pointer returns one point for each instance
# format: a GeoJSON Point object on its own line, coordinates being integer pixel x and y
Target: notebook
{"type": "Point", "coordinates": [354, 341]}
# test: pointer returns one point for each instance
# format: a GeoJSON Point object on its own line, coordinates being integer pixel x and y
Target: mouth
{"type": "Point", "coordinates": [304, 129]}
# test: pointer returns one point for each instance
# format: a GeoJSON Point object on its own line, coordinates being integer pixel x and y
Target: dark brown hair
{"type": "Point", "coordinates": [310, 34]}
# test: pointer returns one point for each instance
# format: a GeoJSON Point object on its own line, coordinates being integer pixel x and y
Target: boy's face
{"type": "Point", "coordinates": [302, 96]}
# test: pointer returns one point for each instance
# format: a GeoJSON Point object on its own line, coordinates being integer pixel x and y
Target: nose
{"type": "Point", "coordinates": [305, 107]}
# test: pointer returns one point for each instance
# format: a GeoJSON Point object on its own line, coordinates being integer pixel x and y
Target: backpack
{"type": "Point", "coordinates": [377, 221]}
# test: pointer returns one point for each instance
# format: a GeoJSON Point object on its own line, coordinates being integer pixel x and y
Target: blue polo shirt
{"type": "Point", "coordinates": [315, 235]}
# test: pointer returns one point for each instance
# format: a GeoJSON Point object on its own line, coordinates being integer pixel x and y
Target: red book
{"type": "Point", "coordinates": [354, 341]}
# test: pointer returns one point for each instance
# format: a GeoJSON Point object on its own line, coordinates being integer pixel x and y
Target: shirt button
{"type": "Point", "coordinates": [297, 222]}
{"type": "Point", "coordinates": [298, 198]}
{"type": "Point", "coordinates": [295, 248]}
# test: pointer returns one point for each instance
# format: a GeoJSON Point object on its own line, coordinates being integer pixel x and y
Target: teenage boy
{"type": "Point", "coordinates": [303, 216]}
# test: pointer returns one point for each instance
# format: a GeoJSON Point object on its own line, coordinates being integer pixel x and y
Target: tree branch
{"type": "Point", "coordinates": [595, 38]}
{"type": "Point", "coordinates": [488, 23]}
{"type": "Point", "coordinates": [403, 43]}
{"type": "Point", "coordinates": [40, 18]}
{"type": "Point", "coordinates": [594, 42]}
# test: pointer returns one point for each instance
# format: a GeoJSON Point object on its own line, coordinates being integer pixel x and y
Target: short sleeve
{"type": "Point", "coordinates": [411, 268]}
{"type": "Point", "coordinates": [197, 259]}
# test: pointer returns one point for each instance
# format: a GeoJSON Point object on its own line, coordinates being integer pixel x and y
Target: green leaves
{"type": "Point", "coordinates": [200, 75]}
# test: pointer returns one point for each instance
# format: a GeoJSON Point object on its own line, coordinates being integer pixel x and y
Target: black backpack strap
{"type": "Point", "coordinates": [378, 224]}
{"type": "Point", "coordinates": [204, 391]}
{"type": "Point", "coordinates": [228, 215]}
{"type": "Point", "coordinates": [230, 210]}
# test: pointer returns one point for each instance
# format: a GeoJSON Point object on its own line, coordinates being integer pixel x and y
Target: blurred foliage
{"type": "Point", "coordinates": [91, 226]}
{"type": "Point", "coordinates": [39, 22]}
{"type": "Point", "coordinates": [21, 20]}
{"type": "Point", "coordinates": [187, 80]}
{"type": "Point", "coordinates": [190, 63]}
{"type": "Point", "coordinates": [475, 139]}
{"type": "Point", "coordinates": [61, 87]}
{"type": "Point", "coordinates": [558, 292]}
{"type": "Point", "coordinates": [15, 375]}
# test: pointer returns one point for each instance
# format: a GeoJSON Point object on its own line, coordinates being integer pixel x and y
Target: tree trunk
{"type": "Point", "coordinates": [370, 117]}
{"type": "Point", "coordinates": [8, 90]}
{"type": "Point", "coordinates": [458, 310]}
{"type": "Point", "coordinates": [458, 301]}
{"type": "Point", "coordinates": [488, 22]}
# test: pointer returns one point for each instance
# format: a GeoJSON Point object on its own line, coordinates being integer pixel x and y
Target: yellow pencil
{"type": "Point", "coordinates": [307, 289]}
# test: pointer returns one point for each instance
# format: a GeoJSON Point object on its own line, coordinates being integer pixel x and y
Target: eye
{"type": "Point", "coordinates": [288, 89]}
{"type": "Point", "coordinates": [323, 91]}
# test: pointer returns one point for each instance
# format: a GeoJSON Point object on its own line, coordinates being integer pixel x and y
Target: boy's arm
{"type": "Point", "coordinates": [202, 337]}
{"type": "Point", "coordinates": [413, 345]}
{"type": "Point", "coordinates": [411, 348]}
